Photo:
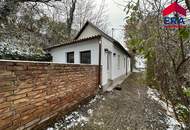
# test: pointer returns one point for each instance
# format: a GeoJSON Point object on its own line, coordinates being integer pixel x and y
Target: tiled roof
{"type": "Point", "coordinates": [74, 41]}
{"type": "Point", "coordinates": [115, 42]}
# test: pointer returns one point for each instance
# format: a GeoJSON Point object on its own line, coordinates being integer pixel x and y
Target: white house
{"type": "Point", "coordinates": [140, 63]}
{"type": "Point", "coordinates": [93, 46]}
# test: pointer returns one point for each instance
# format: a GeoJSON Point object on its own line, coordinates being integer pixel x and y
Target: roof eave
{"type": "Point", "coordinates": [121, 47]}
{"type": "Point", "coordinates": [74, 42]}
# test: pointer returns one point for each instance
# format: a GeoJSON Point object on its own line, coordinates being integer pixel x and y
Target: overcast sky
{"type": "Point", "coordinates": [116, 17]}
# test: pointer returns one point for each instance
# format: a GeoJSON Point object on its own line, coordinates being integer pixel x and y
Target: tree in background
{"type": "Point", "coordinates": [7, 7]}
{"type": "Point", "coordinates": [88, 10]}
{"type": "Point", "coordinates": [73, 13]}
{"type": "Point", "coordinates": [166, 50]}
{"type": "Point", "coordinates": [85, 10]}
{"type": "Point", "coordinates": [70, 7]}
{"type": "Point", "coordinates": [42, 23]}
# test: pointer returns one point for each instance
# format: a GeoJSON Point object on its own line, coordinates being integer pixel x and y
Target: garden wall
{"type": "Point", "coordinates": [31, 93]}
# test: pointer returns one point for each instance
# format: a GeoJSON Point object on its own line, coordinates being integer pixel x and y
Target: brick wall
{"type": "Point", "coordinates": [31, 93]}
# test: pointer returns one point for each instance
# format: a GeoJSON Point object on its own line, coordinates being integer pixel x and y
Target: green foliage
{"type": "Point", "coordinates": [187, 92]}
{"type": "Point", "coordinates": [34, 57]}
{"type": "Point", "coordinates": [26, 34]}
{"type": "Point", "coordinates": [142, 37]}
{"type": "Point", "coordinates": [55, 31]}
{"type": "Point", "coordinates": [10, 52]}
{"type": "Point", "coordinates": [185, 33]}
{"type": "Point", "coordinates": [183, 112]}
{"type": "Point", "coordinates": [33, 29]}
{"type": "Point", "coordinates": [167, 53]}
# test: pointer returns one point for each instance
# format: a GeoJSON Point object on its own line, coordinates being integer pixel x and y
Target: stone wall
{"type": "Point", "coordinates": [31, 93]}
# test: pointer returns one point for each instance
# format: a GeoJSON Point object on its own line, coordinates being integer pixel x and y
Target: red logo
{"type": "Point", "coordinates": [174, 22]}
{"type": "Point", "coordinates": [174, 7]}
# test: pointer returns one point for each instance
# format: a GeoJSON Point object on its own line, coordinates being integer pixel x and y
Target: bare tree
{"type": "Point", "coordinates": [76, 13]}
{"type": "Point", "coordinates": [70, 7]}
{"type": "Point", "coordinates": [188, 4]}
{"type": "Point", "coordinates": [167, 51]}
{"type": "Point", "coordinates": [89, 10]}
{"type": "Point", "coordinates": [101, 16]}
{"type": "Point", "coordinates": [8, 6]}
{"type": "Point", "coordinates": [84, 12]}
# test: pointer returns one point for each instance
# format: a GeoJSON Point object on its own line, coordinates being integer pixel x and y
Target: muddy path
{"type": "Point", "coordinates": [126, 109]}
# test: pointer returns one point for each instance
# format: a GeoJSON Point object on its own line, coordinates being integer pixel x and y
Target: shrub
{"type": "Point", "coordinates": [16, 52]}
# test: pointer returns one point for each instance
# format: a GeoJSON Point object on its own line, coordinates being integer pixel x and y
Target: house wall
{"type": "Point", "coordinates": [116, 71]}
{"type": "Point", "coordinates": [140, 62]}
{"type": "Point", "coordinates": [128, 65]}
{"type": "Point", "coordinates": [59, 54]}
{"type": "Point", "coordinates": [88, 32]}
{"type": "Point", "coordinates": [32, 93]}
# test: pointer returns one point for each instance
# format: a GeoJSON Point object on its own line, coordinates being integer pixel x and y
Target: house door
{"type": "Point", "coordinates": [109, 65]}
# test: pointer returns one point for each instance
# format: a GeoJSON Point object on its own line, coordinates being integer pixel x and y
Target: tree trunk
{"type": "Point", "coordinates": [70, 18]}
{"type": "Point", "coordinates": [188, 4]}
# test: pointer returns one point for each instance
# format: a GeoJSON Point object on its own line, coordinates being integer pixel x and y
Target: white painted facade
{"type": "Point", "coordinates": [115, 62]}
{"type": "Point", "coordinates": [88, 32]}
{"type": "Point", "coordinates": [59, 54]}
{"type": "Point", "coordinates": [119, 65]}
{"type": "Point", "coordinates": [140, 62]}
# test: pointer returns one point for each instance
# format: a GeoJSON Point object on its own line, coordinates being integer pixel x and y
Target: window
{"type": "Point", "coordinates": [70, 57]}
{"type": "Point", "coordinates": [85, 57]}
{"type": "Point", "coordinates": [118, 62]}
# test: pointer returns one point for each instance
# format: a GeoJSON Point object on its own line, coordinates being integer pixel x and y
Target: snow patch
{"type": "Point", "coordinates": [79, 117]}
{"type": "Point", "coordinates": [75, 119]}
{"type": "Point", "coordinates": [10, 48]}
{"type": "Point", "coordinates": [70, 121]}
{"type": "Point", "coordinates": [154, 95]}
{"type": "Point", "coordinates": [90, 112]}
{"type": "Point", "coordinates": [97, 97]}
{"type": "Point", "coordinates": [172, 122]}
{"type": "Point", "coordinates": [99, 123]}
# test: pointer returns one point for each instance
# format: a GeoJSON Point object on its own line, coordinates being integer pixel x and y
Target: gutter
{"type": "Point", "coordinates": [126, 62]}
{"type": "Point", "coordinates": [100, 63]}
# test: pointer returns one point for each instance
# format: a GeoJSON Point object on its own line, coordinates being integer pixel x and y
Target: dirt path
{"type": "Point", "coordinates": [128, 109]}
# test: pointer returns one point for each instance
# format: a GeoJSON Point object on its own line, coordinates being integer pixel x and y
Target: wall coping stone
{"type": "Point", "coordinates": [39, 62]}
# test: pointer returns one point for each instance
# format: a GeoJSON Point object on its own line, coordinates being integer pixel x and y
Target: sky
{"type": "Point", "coordinates": [116, 17]}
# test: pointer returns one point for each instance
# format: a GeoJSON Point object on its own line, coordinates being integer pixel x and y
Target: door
{"type": "Point", "coordinates": [109, 65]}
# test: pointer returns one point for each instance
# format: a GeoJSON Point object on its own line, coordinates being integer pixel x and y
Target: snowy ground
{"type": "Point", "coordinates": [78, 118]}
{"type": "Point", "coordinates": [169, 116]}
{"type": "Point", "coordinates": [135, 107]}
